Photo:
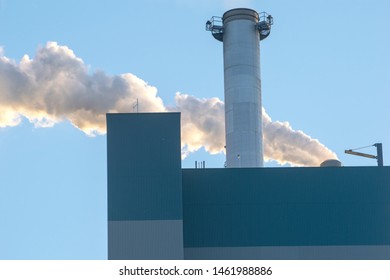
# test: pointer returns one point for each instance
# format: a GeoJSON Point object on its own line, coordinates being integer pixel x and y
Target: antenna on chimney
{"type": "Point", "coordinates": [135, 106]}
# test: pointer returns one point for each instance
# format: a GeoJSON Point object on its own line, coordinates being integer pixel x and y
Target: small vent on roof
{"type": "Point", "coordinates": [331, 163]}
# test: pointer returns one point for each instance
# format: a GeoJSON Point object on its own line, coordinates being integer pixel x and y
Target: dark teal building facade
{"type": "Point", "coordinates": [145, 214]}
{"type": "Point", "coordinates": [156, 210]}
{"type": "Point", "coordinates": [287, 213]}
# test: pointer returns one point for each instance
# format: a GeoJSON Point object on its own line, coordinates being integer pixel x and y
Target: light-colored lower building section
{"type": "Point", "coordinates": [145, 240]}
{"type": "Point", "coordinates": [369, 252]}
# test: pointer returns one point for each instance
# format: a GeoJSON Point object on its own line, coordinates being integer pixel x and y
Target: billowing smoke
{"type": "Point", "coordinates": [202, 123]}
{"type": "Point", "coordinates": [56, 85]}
{"type": "Point", "coordinates": [285, 145]}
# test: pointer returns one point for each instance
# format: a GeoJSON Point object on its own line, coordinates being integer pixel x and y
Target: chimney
{"type": "Point", "coordinates": [241, 30]}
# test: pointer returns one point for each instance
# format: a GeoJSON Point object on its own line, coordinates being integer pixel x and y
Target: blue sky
{"type": "Point", "coordinates": [324, 69]}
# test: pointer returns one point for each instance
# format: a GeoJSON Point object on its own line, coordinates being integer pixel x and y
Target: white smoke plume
{"type": "Point", "coordinates": [56, 85]}
{"type": "Point", "coordinates": [285, 145]}
{"type": "Point", "coordinates": [202, 123]}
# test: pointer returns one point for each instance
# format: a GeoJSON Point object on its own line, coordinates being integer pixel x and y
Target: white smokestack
{"type": "Point", "coordinates": [241, 30]}
{"type": "Point", "coordinates": [56, 85]}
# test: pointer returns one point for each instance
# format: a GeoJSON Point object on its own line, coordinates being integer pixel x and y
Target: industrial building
{"type": "Point", "coordinates": [157, 210]}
